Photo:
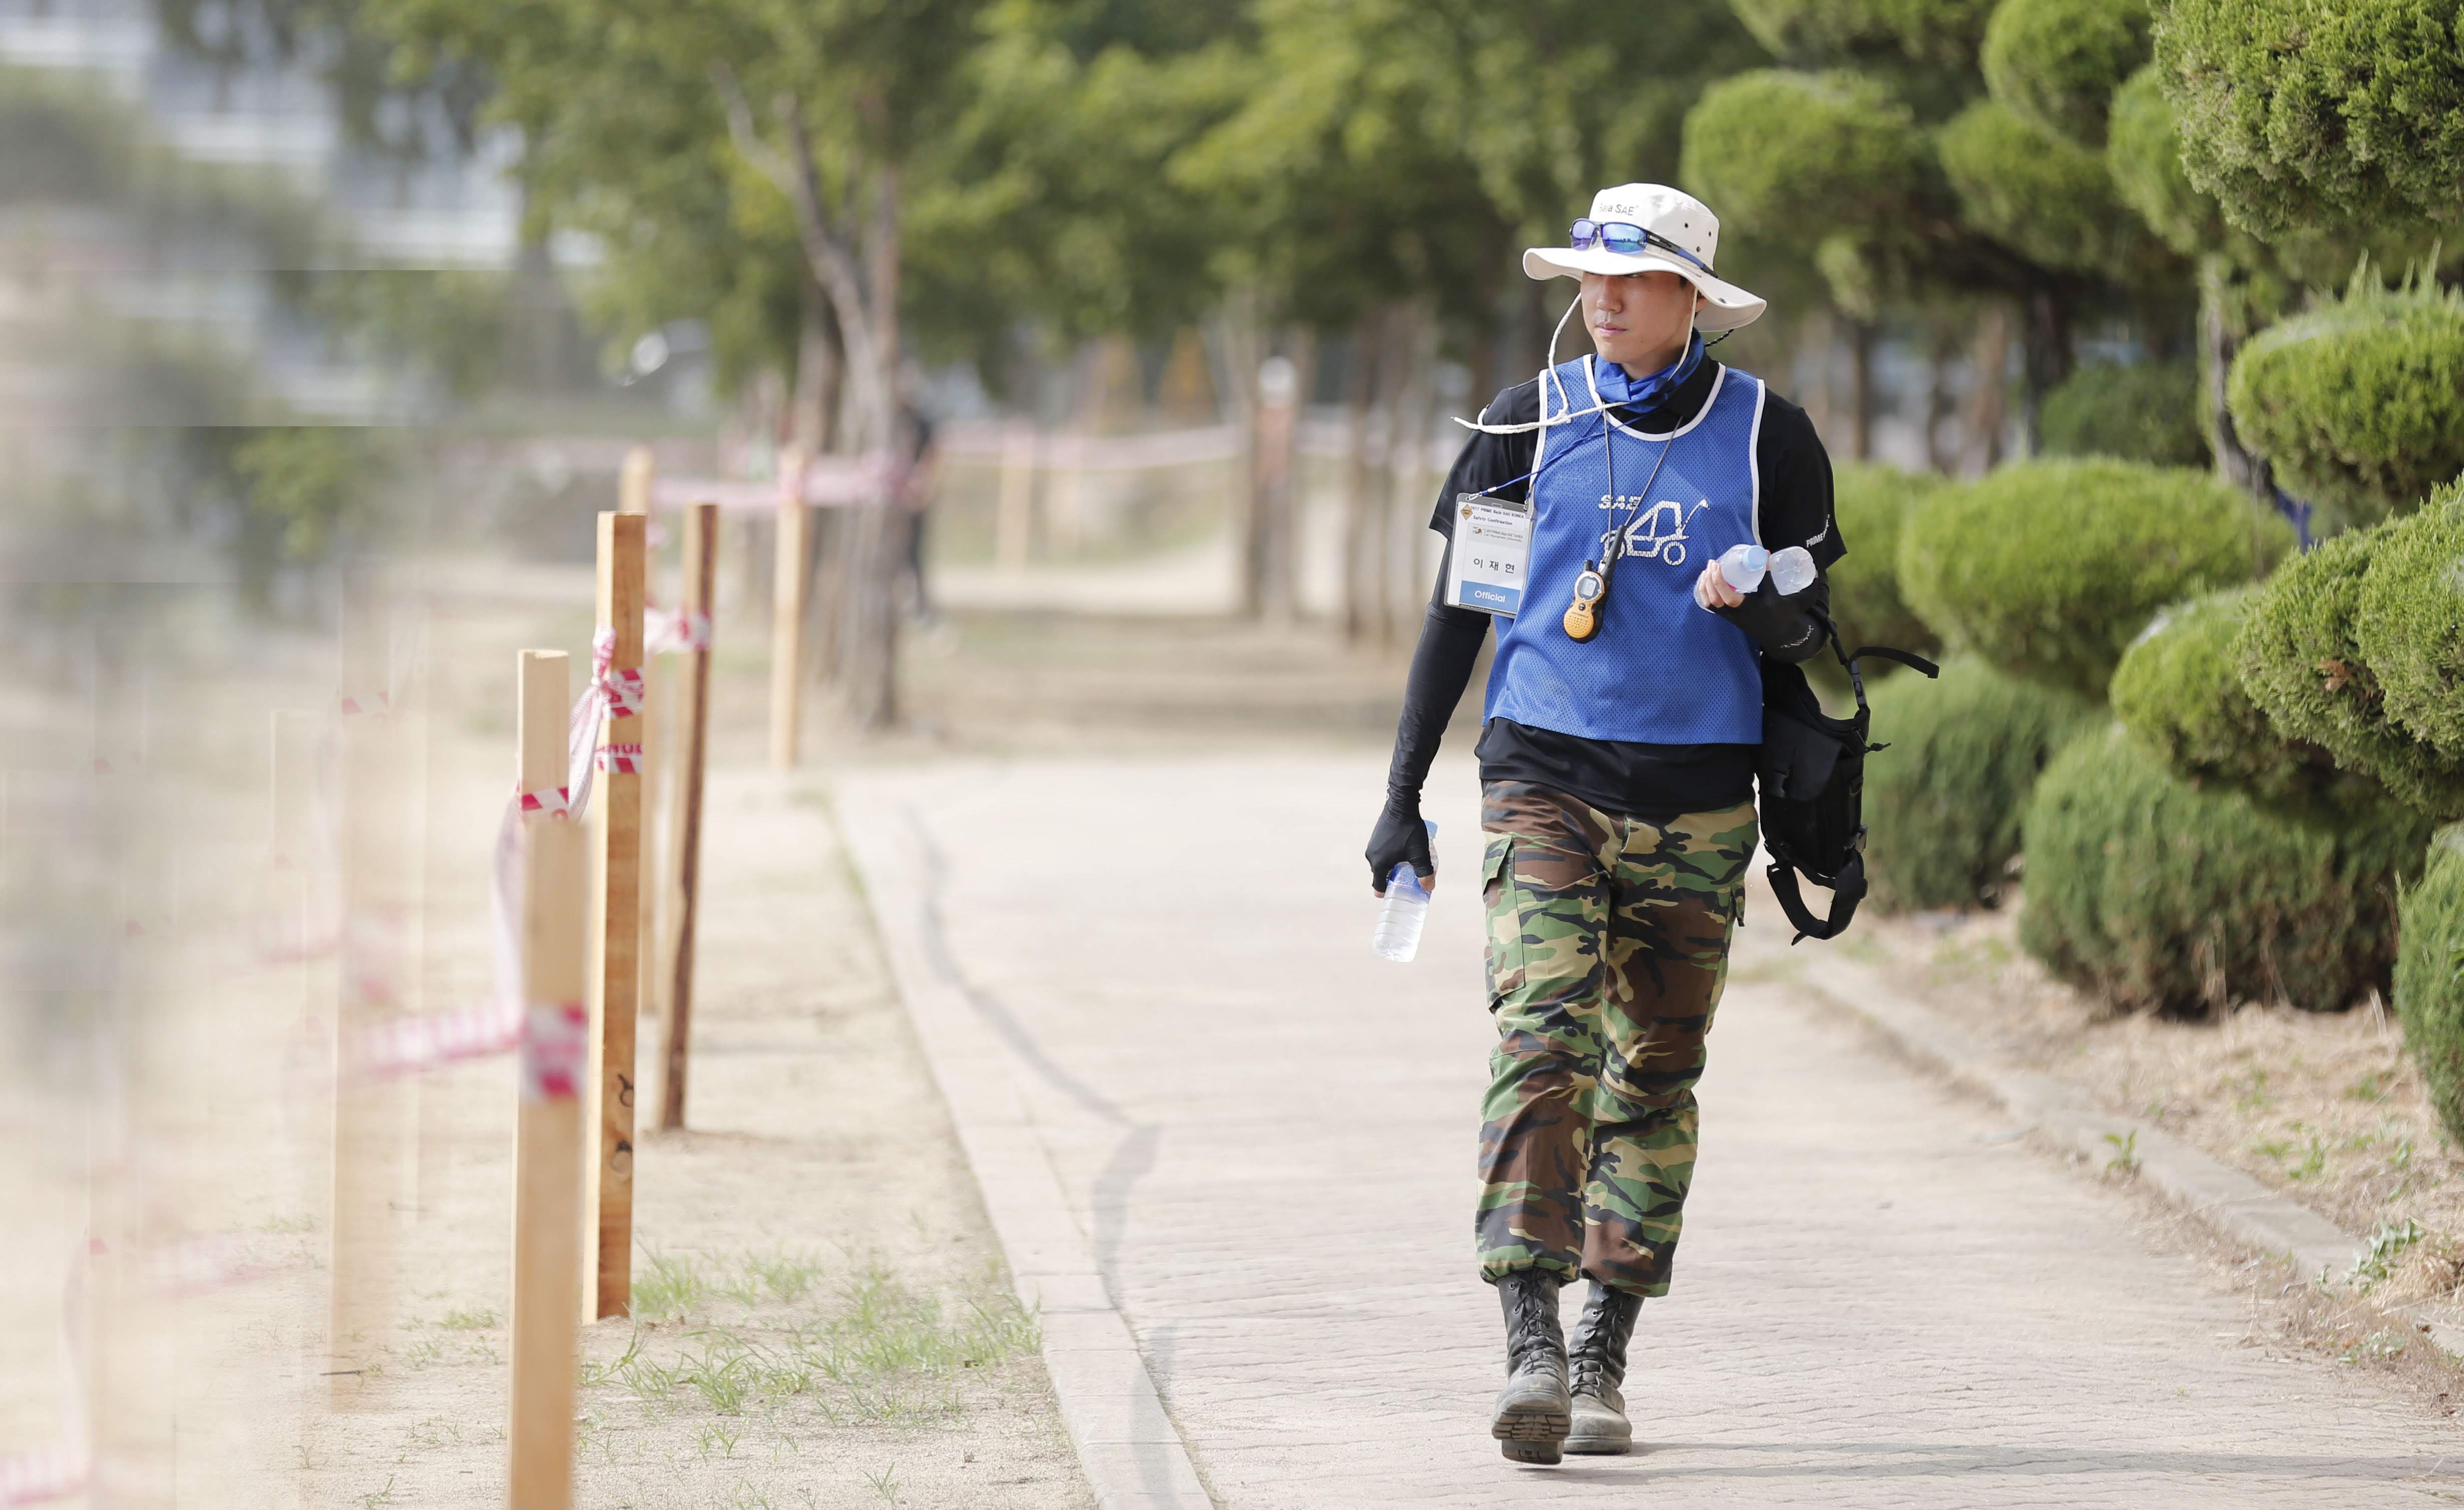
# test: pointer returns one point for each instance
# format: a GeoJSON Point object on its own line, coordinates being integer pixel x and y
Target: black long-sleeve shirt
{"type": "Point", "coordinates": [1643, 781]}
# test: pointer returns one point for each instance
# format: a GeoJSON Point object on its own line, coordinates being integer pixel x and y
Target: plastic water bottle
{"type": "Point", "coordinates": [1743, 564]}
{"type": "Point", "coordinates": [1791, 570]}
{"type": "Point", "coordinates": [1407, 906]}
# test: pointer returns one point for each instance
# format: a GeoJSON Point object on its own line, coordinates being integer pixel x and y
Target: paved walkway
{"type": "Point", "coordinates": [1266, 1134]}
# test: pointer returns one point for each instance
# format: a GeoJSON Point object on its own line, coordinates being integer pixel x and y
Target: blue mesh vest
{"type": "Point", "coordinates": [1661, 669]}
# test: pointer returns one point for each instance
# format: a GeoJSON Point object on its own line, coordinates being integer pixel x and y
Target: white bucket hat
{"type": "Point", "coordinates": [1682, 236]}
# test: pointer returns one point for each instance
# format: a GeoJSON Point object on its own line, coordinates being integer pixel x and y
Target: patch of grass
{"type": "Point", "coordinates": [422, 1352]}
{"type": "Point", "coordinates": [2314, 1160]}
{"type": "Point", "coordinates": [433, 1432]}
{"type": "Point", "coordinates": [378, 1496]}
{"type": "Point", "coordinates": [2253, 1096]}
{"type": "Point", "coordinates": [719, 1434]}
{"type": "Point", "coordinates": [2273, 1150]}
{"type": "Point", "coordinates": [885, 1483]}
{"type": "Point", "coordinates": [670, 1290]}
{"type": "Point", "coordinates": [2126, 1151]}
{"type": "Point", "coordinates": [474, 1319]}
{"type": "Point", "coordinates": [2387, 1243]}
{"type": "Point", "coordinates": [2379, 1346]}
{"type": "Point", "coordinates": [784, 1277]}
{"type": "Point", "coordinates": [2372, 1087]}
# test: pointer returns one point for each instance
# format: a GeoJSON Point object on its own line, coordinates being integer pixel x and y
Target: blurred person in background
{"type": "Point", "coordinates": [1616, 756]}
{"type": "Point", "coordinates": [917, 478]}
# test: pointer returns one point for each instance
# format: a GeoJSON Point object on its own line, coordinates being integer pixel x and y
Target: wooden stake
{"type": "Point", "coordinates": [684, 845]}
{"type": "Point", "coordinates": [1015, 520]}
{"type": "Point", "coordinates": [548, 1151]}
{"type": "Point", "coordinates": [633, 482]}
{"type": "Point", "coordinates": [787, 614]}
{"type": "Point", "coordinates": [616, 929]}
{"type": "Point", "coordinates": [371, 1121]}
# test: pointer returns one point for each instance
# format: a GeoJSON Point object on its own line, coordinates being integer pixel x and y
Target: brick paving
{"type": "Point", "coordinates": [1265, 1134]}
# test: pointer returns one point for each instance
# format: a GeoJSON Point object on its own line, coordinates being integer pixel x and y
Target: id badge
{"type": "Point", "coordinates": [1492, 555]}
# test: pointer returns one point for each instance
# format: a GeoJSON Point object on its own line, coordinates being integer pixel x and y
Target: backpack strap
{"type": "Point", "coordinates": [1913, 662]}
{"type": "Point", "coordinates": [1845, 894]}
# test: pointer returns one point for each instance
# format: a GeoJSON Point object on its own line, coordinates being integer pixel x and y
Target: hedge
{"type": "Point", "coordinates": [2301, 663]}
{"type": "Point", "coordinates": [2050, 569]}
{"type": "Point", "coordinates": [2158, 895]}
{"type": "Point", "coordinates": [2430, 982]}
{"type": "Point", "coordinates": [1870, 504]}
{"type": "Point", "coordinates": [2410, 626]}
{"type": "Point", "coordinates": [1778, 151]}
{"type": "Point", "coordinates": [2045, 195]}
{"type": "Point", "coordinates": [2059, 62]}
{"type": "Point", "coordinates": [2296, 113]}
{"type": "Point", "coordinates": [2179, 692]}
{"type": "Point", "coordinates": [1942, 803]}
{"type": "Point", "coordinates": [2359, 404]}
{"type": "Point", "coordinates": [2148, 412]}
{"type": "Point", "coordinates": [1941, 30]}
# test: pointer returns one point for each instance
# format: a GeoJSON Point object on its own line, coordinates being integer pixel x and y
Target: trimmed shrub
{"type": "Point", "coordinates": [2359, 404]}
{"type": "Point", "coordinates": [2158, 895]}
{"type": "Point", "coordinates": [2058, 63]}
{"type": "Point", "coordinates": [2430, 982]}
{"type": "Point", "coordinates": [2046, 196]}
{"type": "Point", "coordinates": [2143, 151]}
{"type": "Point", "coordinates": [2179, 692]}
{"type": "Point", "coordinates": [2145, 413]}
{"type": "Point", "coordinates": [2303, 665]}
{"type": "Point", "coordinates": [1871, 503]}
{"type": "Point", "coordinates": [1946, 31]}
{"type": "Point", "coordinates": [2297, 113]}
{"type": "Point", "coordinates": [2410, 624]}
{"type": "Point", "coordinates": [1778, 150]}
{"type": "Point", "coordinates": [2050, 569]}
{"type": "Point", "coordinates": [1943, 804]}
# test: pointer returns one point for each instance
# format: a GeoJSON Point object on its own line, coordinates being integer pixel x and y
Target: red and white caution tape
{"type": "Point", "coordinates": [674, 631]}
{"type": "Point", "coordinates": [621, 757]}
{"type": "Point", "coordinates": [556, 1040]}
{"type": "Point", "coordinates": [42, 1476]}
{"type": "Point", "coordinates": [409, 1044]}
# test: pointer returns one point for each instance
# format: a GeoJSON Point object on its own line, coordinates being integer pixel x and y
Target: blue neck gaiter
{"type": "Point", "coordinates": [1618, 388]}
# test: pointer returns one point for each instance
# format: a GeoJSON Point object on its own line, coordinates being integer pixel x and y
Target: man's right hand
{"type": "Point", "coordinates": [1400, 835]}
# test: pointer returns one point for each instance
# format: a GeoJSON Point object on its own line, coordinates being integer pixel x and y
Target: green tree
{"type": "Point", "coordinates": [2296, 114]}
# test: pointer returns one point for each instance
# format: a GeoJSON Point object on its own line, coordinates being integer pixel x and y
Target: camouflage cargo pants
{"type": "Point", "coordinates": [1608, 943]}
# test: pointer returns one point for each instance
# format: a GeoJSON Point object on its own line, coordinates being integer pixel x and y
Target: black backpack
{"type": "Point", "coordinates": [1812, 773]}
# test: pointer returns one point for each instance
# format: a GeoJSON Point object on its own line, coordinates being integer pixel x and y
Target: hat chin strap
{"type": "Point", "coordinates": [1549, 374]}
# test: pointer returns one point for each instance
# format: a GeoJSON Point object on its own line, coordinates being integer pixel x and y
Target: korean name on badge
{"type": "Point", "coordinates": [1493, 554]}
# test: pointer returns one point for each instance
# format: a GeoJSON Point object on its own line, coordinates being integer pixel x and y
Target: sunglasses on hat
{"type": "Point", "coordinates": [1626, 239]}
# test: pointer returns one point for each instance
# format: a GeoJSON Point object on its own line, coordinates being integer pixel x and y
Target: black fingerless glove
{"type": "Point", "coordinates": [1398, 837]}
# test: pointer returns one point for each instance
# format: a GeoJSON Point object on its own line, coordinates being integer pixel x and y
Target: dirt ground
{"type": "Point", "coordinates": [821, 1316]}
{"type": "Point", "coordinates": [2325, 1107]}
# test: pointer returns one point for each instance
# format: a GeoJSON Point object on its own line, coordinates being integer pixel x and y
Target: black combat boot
{"type": "Point", "coordinates": [1531, 1408]}
{"type": "Point", "coordinates": [1598, 1422]}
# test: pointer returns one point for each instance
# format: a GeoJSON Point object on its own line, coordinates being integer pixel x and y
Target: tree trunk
{"type": "Point", "coordinates": [2221, 333]}
{"type": "Point", "coordinates": [1860, 389]}
{"type": "Point", "coordinates": [1360, 468]}
{"type": "Point", "coordinates": [1989, 406]}
{"type": "Point", "coordinates": [1415, 388]}
{"type": "Point", "coordinates": [1280, 407]}
{"type": "Point", "coordinates": [1940, 403]}
{"type": "Point", "coordinates": [2046, 355]}
{"type": "Point", "coordinates": [1232, 346]}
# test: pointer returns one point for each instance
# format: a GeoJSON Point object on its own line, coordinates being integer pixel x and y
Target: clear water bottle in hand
{"type": "Point", "coordinates": [1407, 906]}
{"type": "Point", "coordinates": [1742, 565]}
{"type": "Point", "coordinates": [1791, 570]}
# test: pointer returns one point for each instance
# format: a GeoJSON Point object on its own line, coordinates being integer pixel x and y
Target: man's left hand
{"type": "Point", "coordinates": [1712, 590]}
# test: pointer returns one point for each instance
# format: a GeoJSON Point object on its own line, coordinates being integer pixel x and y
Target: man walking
{"type": "Point", "coordinates": [1617, 753]}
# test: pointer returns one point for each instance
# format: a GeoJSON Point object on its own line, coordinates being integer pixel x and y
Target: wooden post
{"type": "Point", "coordinates": [633, 481]}
{"type": "Point", "coordinates": [371, 1120]}
{"type": "Point", "coordinates": [548, 1151]}
{"type": "Point", "coordinates": [684, 846]}
{"type": "Point", "coordinates": [787, 613]}
{"type": "Point", "coordinates": [1015, 522]}
{"type": "Point", "coordinates": [615, 932]}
